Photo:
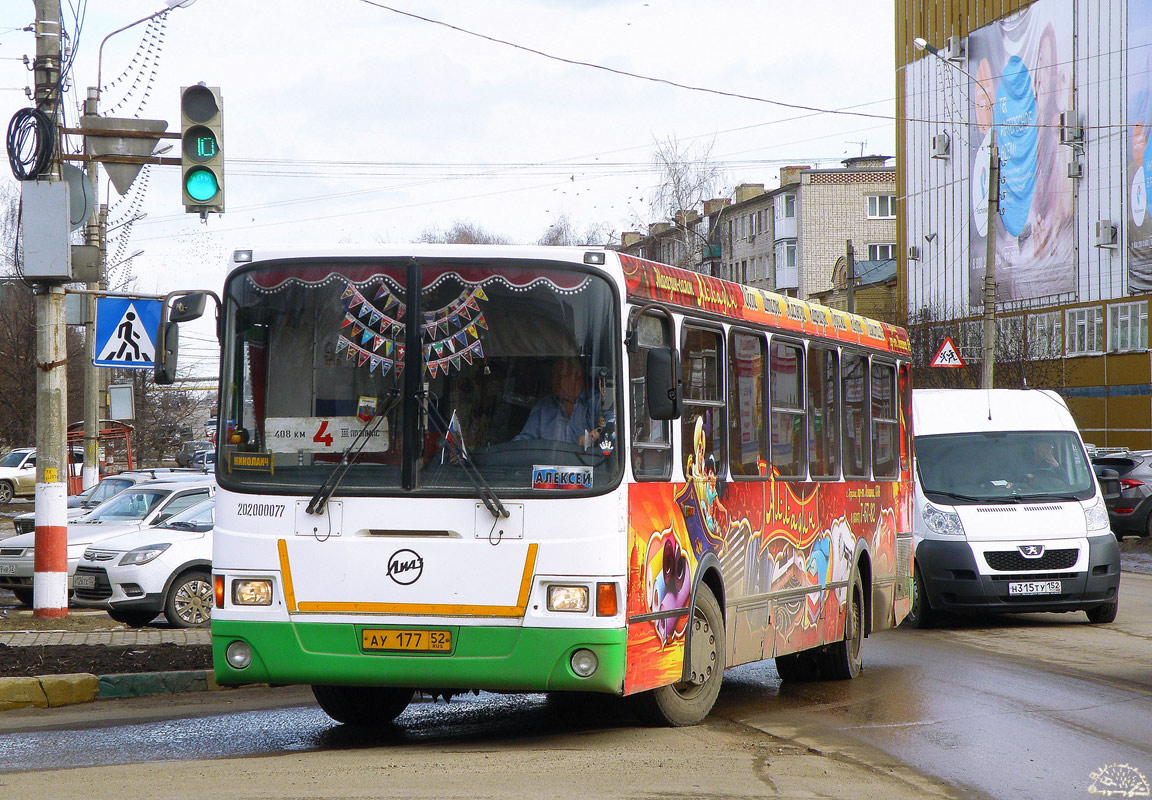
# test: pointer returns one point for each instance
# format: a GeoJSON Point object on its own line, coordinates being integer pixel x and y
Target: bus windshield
{"type": "Point", "coordinates": [516, 365]}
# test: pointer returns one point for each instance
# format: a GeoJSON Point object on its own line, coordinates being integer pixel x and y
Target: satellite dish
{"type": "Point", "coordinates": [81, 197]}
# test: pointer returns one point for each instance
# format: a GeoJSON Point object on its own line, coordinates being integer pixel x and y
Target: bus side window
{"type": "Point", "coordinates": [786, 396]}
{"type": "Point", "coordinates": [885, 424]}
{"type": "Point", "coordinates": [651, 439]}
{"type": "Point", "coordinates": [823, 413]}
{"type": "Point", "coordinates": [703, 424]}
{"type": "Point", "coordinates": [747, 433]}
{"type": "Point", "coordinates": [854, 396]}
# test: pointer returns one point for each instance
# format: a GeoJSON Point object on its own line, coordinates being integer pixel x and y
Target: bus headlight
{"type": "Point", "coordinates": [944, 523]}
{"type": "Point", "coordinates": [252, 592]}
{"type": "Point", "coordinates": [239, 655]}
{"type": "Point", "coordinates": [568, 598]}
{"type": "Point", "coordinates": [1096, 517]}
{"type": "Point", "coordinates": [584, 662]}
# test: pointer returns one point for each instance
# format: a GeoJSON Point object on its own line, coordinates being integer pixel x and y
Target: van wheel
{"type": "Point", "coordinates": [1101, 615]}
{"type": "Point", "coordinates": [920, 613]}
{"type": "Point", "coordinates": [688, 702]}
{"type": "Point", "coordinates": [5, 493]}
{"type": "Point", "coordinates": [363, 705]}
{"type": "Point", "coordinates": [841, 661]}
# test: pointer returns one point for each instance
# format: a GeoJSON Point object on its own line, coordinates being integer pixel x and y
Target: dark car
{"type": "Point", "coordinates": [189, 450]}
{"type": "Point", "coordinates": [1126, 479]}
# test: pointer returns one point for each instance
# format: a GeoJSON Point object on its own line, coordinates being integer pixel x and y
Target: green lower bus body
{"type": "Point", "coordinates": [499, 659]}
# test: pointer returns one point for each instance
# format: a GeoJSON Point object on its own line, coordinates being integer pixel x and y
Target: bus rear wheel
{"type": "Point", "coordinates": [841, 661]}
{"type": "Point", "coordinates": [363, 705]}
{"type": "Point", "coordinates": [688, 702]}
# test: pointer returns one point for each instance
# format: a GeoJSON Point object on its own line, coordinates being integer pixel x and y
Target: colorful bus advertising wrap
{"type": "Point", "coordinates": [774, 539]}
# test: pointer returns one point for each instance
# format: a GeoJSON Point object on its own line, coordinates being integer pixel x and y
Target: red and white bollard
{"type": "Point", "coordinates": [50, 579]}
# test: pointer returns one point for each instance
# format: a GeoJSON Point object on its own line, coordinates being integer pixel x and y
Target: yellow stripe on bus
{"type": "Point", "coordinates": [286, 575]}
{"type": "Point", "coordinates": [426, 609]}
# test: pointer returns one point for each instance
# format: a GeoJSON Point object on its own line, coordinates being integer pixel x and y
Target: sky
{"type": "Point", "coordinates": [358, 121]}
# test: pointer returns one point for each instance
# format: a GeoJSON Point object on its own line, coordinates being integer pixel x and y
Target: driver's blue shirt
{"type": "Point", "coordinates": [548, 420]}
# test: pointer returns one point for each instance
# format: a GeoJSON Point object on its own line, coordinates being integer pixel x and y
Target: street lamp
{"type": "Point", "coordinates": [993, 195]}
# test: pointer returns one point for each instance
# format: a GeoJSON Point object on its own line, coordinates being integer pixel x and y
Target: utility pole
{"type": "Point", "coordinates": [94, 234]}
{"type": "Point", "coordinates": [50, 576]}
{"type": "Point", "coordinates": [850, 274]}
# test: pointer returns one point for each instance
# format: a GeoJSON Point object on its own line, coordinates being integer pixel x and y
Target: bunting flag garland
{"type": "Point", "coordinates": [450, 334]}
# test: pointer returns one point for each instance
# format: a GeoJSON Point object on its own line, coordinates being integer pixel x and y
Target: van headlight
{"type": "Point", "coordinates": [942, 523]}
{"type": "Point", "coordinates": [1096, 517]}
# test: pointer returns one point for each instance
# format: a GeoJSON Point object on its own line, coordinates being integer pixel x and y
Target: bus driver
{"type": "Point", "coordinates": [569, 414]}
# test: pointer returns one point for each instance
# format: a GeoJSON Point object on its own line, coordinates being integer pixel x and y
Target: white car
{"type": "Point", "coordinates": [81, 504]}
{"type": "Point", "coordinates": [144, 505]}
{"type": "Point", "coordinates": [18, 472]}
{"type": "Point", "coordinates": [165, 570]}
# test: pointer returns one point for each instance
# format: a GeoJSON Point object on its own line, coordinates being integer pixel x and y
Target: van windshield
{"type": "Point", "coordinates": [1010, 466]}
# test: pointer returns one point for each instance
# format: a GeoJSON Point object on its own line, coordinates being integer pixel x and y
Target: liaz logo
{"type": "Point", "coordinates": [405, 567]}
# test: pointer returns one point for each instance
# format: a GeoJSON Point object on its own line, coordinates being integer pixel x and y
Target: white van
{"type": "Point", "coordinates": [1009, 516]}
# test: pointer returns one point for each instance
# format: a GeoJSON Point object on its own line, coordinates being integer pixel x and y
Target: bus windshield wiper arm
{"type": "Point", "coordinates": [347, 459]}
{"type": "Point", "coordinates": [487, 494]}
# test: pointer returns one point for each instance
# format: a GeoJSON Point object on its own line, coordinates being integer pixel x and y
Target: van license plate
{"type": "Point", "coordinates": [394, 639]}
{"type": "Point", "coordinates": [1034, 587]}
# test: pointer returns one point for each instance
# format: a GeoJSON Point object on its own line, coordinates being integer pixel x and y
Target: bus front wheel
{"type": "Point", "coordinates": [688, 702]}
{"type": "Point", "coordinates": [362, 705]}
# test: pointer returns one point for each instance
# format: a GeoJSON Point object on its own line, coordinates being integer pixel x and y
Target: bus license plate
{"type": "Point", "coordinates": [1034, 587]}
{"type": "Point", "coordinates": [396, 639]}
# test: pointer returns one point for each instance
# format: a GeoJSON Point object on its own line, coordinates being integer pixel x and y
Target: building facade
{"type": "Point", "coordinates": [1061, 92]}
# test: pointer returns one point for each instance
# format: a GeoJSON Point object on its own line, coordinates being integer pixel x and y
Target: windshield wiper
{"type": "Point", "coordinates": [448, 442]}
{"type": "Point", "coordinates": [1034, 496]}
{"type": "Point", "coordinates": [954, 495]}
{"type": "Point", "coordinates": [348, 458]}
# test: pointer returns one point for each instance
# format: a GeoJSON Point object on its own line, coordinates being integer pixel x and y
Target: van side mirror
{"type": "Point", "coordinates": [165, 371]}
{"type": "Point", "coordinates": [664, 381]}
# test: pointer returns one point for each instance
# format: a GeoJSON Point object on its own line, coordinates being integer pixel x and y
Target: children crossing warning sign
{"type": "Point", "coordinates": [126, 332]}
{"type": "Point", "coordinates": [948, 355]}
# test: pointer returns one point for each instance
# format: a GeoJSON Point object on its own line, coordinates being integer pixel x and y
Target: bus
{"type": "Point", "coordinates": [445, 468]}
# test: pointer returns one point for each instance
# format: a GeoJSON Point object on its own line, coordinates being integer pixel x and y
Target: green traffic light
{"type": "Point", "coordinates": [201, 184]}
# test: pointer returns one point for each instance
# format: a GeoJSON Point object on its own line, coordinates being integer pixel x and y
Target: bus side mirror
{"type": "Point", "coordinates": [188, 307]}
{"type": "Point", "coordinates": [165, 371]}
{"type": "Point", "coordinates": [664, 383]}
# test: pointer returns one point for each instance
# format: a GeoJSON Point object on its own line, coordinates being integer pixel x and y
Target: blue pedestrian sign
{"type": "Point", "coordinates": [126, 332]}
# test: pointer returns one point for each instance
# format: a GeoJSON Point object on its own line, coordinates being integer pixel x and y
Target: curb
{"type": "Point", "coordinates": [52, 691]}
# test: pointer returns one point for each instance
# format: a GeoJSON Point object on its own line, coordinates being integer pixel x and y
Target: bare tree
{"type": "Point", "coordinates": [562, 233]}
{"type": "Point", "coordinates": [687, 177]}
{"type": "Point", "coordinates": [1020, 359]}
{"type": "Point", "coordinates": [461, 232]}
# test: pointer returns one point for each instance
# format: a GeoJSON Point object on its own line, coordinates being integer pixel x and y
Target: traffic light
{"type": "Point", "coordinates": [201, 149]}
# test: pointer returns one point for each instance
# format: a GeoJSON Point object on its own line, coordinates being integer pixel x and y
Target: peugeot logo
{"type": "Point", "coordinates": [1031, 550]}
{"type": "Point", "coordinates": [405, 567]}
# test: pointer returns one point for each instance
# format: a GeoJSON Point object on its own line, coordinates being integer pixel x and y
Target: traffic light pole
{"type": "Point", "coordinates": [50, 571]}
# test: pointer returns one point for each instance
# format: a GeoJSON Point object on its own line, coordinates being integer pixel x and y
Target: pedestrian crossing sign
{"type": "Point", "coordinates": [126, 330]}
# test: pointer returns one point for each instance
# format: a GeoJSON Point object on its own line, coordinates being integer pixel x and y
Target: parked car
{"type": "Point", "coordinates": [166, 569]}
{"type": "Point", "coordinates": [81, 504]}
{"type": "Point", "coordinates": [18, 472]}
{"type": "Point", "coordinates": [1130, 508]}
{"type": "Point", "coordinates": [189, 450]}
{"type": "Point", "coordinates": [143, 506]}
{"type": "Point", "coordinates": [204, 459]}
